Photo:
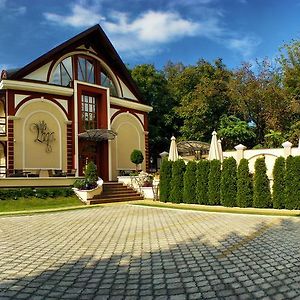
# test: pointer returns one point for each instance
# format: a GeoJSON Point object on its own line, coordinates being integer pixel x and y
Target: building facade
{"type": "Point", "coordinates": [74, 104]}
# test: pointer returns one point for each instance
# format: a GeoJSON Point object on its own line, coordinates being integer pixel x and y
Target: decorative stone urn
{"type": "Point", "coordinates": [85, 195]}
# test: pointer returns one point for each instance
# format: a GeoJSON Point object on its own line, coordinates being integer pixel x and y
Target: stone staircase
{"type": "Point", "coordinates": [115, 192]}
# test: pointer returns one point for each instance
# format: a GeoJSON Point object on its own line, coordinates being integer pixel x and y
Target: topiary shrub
{"type": "Point", "coordinates": [244, 197]}
{"type": "Point", "coordinates": [292, 186]}
{"type": "Point", "coordinates": [178, 170]}
{"type": "Point", "coordinates": [214, 180]}
{"type": "Point", "coordinates": [136, 157]}
{"type": "Point", "coordinates": [278, 197]}
{"type": "Point", "coordinates": [165, 177]}
{"type": "Point", "coordinates": [203, 168]}
{"type": "Point", "coordinates": [261, 187]}
{"type": "Point", "coordinates": [91, 175]}
{"type": "Point", "coordinates": [189, 183]}
{"type": "Point", "coordinates": [228, 182]}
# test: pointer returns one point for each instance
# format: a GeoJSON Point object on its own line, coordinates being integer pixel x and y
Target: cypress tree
{"type": "Point", "coordinates": [244, 185]}
{"type": "Point", "coordinates": [228, 182]}
{"type": "Point", "coordinates": [292, 183]}
{"type": "Point", "coordinates": [279, 183]}
{"type": "Point", "coordinates": [178, 170]}
{"type": "Point", "coordinates": [189, 183]}
{"type": "Point", "coordinates": [214, 179]}
{"type": "Point", "coordinates": [165, 180]}
{"type": "Point", "coordinates": [203, 168]}
{"type": "Point", "coordinates": [261, 188]}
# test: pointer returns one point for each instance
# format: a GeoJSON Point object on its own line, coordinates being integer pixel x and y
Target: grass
{"type": "Point", "coordinates": [36, 204]}
{"type": "Point", "coordinates": [221, 209]}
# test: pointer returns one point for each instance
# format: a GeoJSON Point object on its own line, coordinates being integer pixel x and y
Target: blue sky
{"type": "Point", "coordinates": [152, 31]}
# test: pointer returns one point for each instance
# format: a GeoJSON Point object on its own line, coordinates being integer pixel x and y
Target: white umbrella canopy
{"type": "Point", "coordinates": [214, 151]}
{"type": "Point", "coordinates": [220, 150]}
{"type": "Point", "coordinates": [173, 153]}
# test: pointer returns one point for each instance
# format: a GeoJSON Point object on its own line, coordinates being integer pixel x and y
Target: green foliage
{"type": "Point", "coordinates": [214, 180]}
{"type": "Point", "coordinates": [292, 180]}
{"type": "Point", "coordinates": [203, 168]}
{"type": "Point", "coordinates": [42, 193]}
{"type": "Point", "coordinates": [244, 185]}
{"type": "Point", "coordinates": [274, 139]}
{"type": "Point", "coordinates": [234, 131]}
{"type": "Point", "coordinates": [190, 182]}
{"type": "Point", "coordinates": [165, 180]}
{"type": "Point", "coordinates": [178, 170]}
{"type": "Point", "coordinates": [261, 187]}
{"type": "Point", "coordinates": [228, 182]}
{"type": "Point", "coordinates": [136, 157]}
{"type": "Point", "coordinates": [91, 175]}
{"type": "Point", "coordinates": [279, 183]}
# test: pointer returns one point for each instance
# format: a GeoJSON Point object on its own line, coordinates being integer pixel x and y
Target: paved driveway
{"type": "Point", "coordinates": [134, 252]}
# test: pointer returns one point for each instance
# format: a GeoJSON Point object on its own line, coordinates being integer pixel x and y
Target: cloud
{"type": "Point", "coordinates": [11, 10]}
{"type": "Point", "coordinates": [2, 3]}
{"type": "Point", "coordinates": [244, 45]}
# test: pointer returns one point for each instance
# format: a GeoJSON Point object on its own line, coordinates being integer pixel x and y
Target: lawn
{"type": "Point", "coordinates": [33, 204]}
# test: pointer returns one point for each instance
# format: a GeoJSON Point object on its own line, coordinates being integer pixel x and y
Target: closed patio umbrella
{"type": "Point", "coordinates": [214, 151]}
{"type": "Point", "coordinates": [220, 150]}
{"type": "Point", "coordinates": [173, 153]}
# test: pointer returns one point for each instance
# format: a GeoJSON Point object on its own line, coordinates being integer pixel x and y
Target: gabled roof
{"type": "Point", "coordinates": [95, 37]}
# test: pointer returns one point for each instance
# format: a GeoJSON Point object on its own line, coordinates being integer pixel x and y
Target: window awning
{"type": "Point", "coordinates": [97, 135]}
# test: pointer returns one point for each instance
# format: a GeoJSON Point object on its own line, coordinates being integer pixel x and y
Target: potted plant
{"type": "Point", "coordinates": [90, 186]}
{"type": "Point", "coordinates": [137, 158]}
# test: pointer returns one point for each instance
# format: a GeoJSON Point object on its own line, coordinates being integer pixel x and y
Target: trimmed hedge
{"type": "Point", "coordinates": [292, 183]}
{"type": "Point", "coordinates": [214, 179]}
{"type": "Point", "coordinates": [165, 178]}
{"type": "Point", "coordinates": [261, 188]}
{"type": "Point", "coordinates": [178, 170]}
{"type": "Point", "coordinates": [190, 182]}
{"type": "Point", "coordinates": [228, 182]}
{"type": "Point", "coordinates": [244, 196]}
{"type": "Point", "coordinates": [279, 183]}
{"type": "Point", "coordinates": [203, 168]}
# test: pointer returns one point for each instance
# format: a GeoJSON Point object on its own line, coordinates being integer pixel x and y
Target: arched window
{"type": "Point", "coordinates": [86, 70]}
{"type": "Point", "coordinates": [63, 73]}
{"type": "Point", "coordinates": [106, 81]}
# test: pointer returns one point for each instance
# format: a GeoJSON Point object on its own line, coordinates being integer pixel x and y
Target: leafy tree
{"type": "Point", "coordinates": [228, 182]}
{"type": "Point", "coordinates": [203, 168]}
{"type": "Point", "coordinates": [234, 131]}
{"type": "Point", "coordinates": [189, 183]}
{"type": "Point", "coordinates": [274, 139]}
{"type": "Point", "coordinates": [136, 157]}
{"type": "Point", "coordinates": [178, 170]}
{"type": "Point", "coordinates": [279, 183]}
{"type": "Point", "coordinates": [293, 134]}
{"type": "Point", "coordinates": [214, 179]}
{"type": "Point", "coordinates": [292, 186]}
{"type": "Point", "coordinates": [261, 188]}
{"type": "Point", "coordinates": [165, 180]}
{"type": "Point", "coordinates": [244, 185]}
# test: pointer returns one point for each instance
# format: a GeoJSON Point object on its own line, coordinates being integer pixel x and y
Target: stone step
{"type": "Point", "coordinates": [117, 195]}
{"type": "Point", "coordinates": [116, 199]}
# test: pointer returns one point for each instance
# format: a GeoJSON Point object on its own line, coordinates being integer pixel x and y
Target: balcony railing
{"type": "Point", "coordinates": [2, 126]}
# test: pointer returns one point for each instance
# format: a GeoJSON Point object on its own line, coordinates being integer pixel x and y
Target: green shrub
{"type": "Point", "coordinates": [278, 196]}
{"type": "Point", "coordinates": [214, 179]}
{"type": "Point", "coordinates": [189, 183]}
{"type": "Point", "coordinates": [244, 185]}
{"type": "Point", "coordinates": [91, 175]}
{"type": "Point", "coordinates": [228, 182]}
{"type": "Point", "coordinates": [261, 187]}
{"type": "Point", "coordinates": [178, 170]}
{"type": "Point", "coordinates": [165, 178]}
{"type": "Point", "coordinates": [136, 157]}
{"type": "Point", "coordinates": [203, 168]}
{"type": "Point", "coordinates": [292, 183]}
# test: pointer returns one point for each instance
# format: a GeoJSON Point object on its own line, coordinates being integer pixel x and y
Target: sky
{"type": "Point", "coordinates": [152, 31]}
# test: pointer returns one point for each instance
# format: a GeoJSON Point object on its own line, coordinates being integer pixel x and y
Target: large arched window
{"type": "Point", "coordinates": [63, 73]}
{"type": "Point", "coordinates": [86, 69]}
{"type": "Point", "coordinates": [106, 81]}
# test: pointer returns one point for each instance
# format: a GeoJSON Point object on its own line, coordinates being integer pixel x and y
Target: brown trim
{"type": "Point", "coordinates": [10, 147]}
{"type": "Point", "coordinates": [125, 110]}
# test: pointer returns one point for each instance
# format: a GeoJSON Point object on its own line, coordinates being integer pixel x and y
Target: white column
{"type": "Point", "coordinates": [239, 152]}
{"type": "Point", "coordinates": [287, 151]}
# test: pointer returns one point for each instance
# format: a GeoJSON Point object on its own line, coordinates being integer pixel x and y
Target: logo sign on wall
{"type": "Point", "coordinates": [43, 134]}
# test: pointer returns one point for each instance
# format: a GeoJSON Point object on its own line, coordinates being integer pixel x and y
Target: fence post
{"type": "Point", "coordinates": [287, 151]}
{"type": "Point", "coordinates": [240, 152]}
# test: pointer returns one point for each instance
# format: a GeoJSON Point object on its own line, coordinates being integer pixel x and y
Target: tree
{"type": "Point", "coordinates": [203, 168]}
{"type": "Point", "coordinates": [178, 170]}
{"type": "Point", "coordinates": [261, 187]}
{"type": "Point", "coordinates": [244, 185]}
{"type": "Point", "coordinates": [165, 180]}
{"type": "Point", "coordinates": [90, 175]}
{"type": "Point", "coordinates": [228, 182]}
{"type": "Point", "coordinates": [292, 186]}
{"type": "Point", "coordinates": [274, 139]}
{"type": "Point", "coordinates": [279, 183]}
{"type": "Point", "coordinates": [136, 157]}
{"type": "Point", "coordinates": [189, 183]}
{"type": "Point", "coordinates": [214, 179]}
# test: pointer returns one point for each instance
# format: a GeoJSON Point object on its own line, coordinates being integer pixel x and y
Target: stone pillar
{"type": "Point", "coordinates": [287, 151]}
{"type": "Point", "coordinates": [240, 152]}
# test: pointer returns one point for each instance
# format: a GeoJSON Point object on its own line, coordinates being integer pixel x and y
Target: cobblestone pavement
{"type": "Point", "coordinates": [133, 252]}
